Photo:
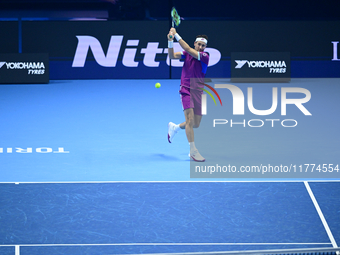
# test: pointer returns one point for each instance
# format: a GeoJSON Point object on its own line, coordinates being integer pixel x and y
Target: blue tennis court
{"type": "Point", "coordinates": [86, 168]}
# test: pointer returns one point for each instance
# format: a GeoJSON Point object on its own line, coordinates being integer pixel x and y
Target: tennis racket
{"type": "Point", "coordinates": [176, 19]}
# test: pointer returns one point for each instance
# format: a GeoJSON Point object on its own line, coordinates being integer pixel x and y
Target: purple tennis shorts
{"type": "Point", "coordinates": [191, 99]}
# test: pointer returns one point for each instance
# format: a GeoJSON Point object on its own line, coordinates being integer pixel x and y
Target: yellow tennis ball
{"type": "Point", "coordinates": [157, 85]}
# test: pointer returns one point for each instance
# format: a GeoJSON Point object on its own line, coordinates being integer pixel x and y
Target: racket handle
{"type": "Point", "coordinates": [173, 25]}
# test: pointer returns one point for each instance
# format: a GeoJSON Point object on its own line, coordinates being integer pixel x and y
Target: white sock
{"type": "Point", "coordinates": [192, 146]}
{"type": "Point", "coordinates": [177, 128]}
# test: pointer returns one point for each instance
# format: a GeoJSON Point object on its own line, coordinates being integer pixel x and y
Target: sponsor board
{"type": "Point", "coordinates": [138, 49]}
{"type": "Point", "coordinates": [24, 68]}
{"type": "Point", "coordinates": [149, 53]}
{"type": "Point", "coordinates": [260, 67]}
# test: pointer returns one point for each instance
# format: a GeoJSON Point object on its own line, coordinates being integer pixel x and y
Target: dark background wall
{"type": "Point", "coordinates": [190, 9]}
{"type": "Point", "coordinates": [305, 29]}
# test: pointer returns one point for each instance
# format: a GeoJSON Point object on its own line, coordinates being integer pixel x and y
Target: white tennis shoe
{"type": "Point", "coordinates": [195, 155]}
{"type": "Point", "coordinates": [171, 131]}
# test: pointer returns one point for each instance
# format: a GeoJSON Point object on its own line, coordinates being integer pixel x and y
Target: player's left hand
{"type": "Point", "coordinates": [173, 30]}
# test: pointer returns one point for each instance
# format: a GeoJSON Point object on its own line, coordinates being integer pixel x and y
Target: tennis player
{"type": "Point", "coordinates": [192, 78]}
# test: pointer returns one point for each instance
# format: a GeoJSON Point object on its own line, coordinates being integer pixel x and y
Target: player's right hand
{"type": "Point", "coordinates": [171, 36]}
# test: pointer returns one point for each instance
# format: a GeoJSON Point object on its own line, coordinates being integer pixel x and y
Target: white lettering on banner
{"type": "Point", "coordinates": [87, 42]}
{"type": "Point", "coordinates": [150, 54]}
{"type": "Point", "coordinates": [24, 65]}
{"type": "Point", "coordinates": [38, 150]}
{"type": "Point", "coordinates": [277, 70]}
{"type": "Point", "coordinates": [110, 60]}
{"type": "Point", "coordinates": [130, 54]}
{"type": "Point", "coordinates": [274, 66]}
{"type": "Point", "coordinates": [266, 64]}
{"type": "Point", "coordinates": [238, 100]}
{"type": "Point", "coordinates": [36, 71]}
{"type": "Point", "coordinates": [335, 51]}
{"type": "Point", "coordinates": [33, 68]}
{"type": "Point", "coordinates": [240, 63]}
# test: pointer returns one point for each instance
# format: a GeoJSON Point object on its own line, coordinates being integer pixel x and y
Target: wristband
{"type": "Point", "coordinates": [170, 44]}
{"type": "Point", "coordinates": [178, 37]}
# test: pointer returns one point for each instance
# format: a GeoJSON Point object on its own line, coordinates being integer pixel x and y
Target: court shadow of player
{"type": "Point", "coordinates": [160, 156]}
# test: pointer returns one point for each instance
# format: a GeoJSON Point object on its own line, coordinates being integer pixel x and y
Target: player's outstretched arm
{"type": "Point", "coordinates": [183, 44]}
{"type": "Point", "coordinates": [172, 54]}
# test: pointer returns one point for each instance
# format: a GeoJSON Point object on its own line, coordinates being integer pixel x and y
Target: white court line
{"type": "Point", "coordinates": [17, 246]}
{"type": "Point", "coordinates": [96, 182]}
{"type": "Point", "coordinates": [333, 243]}
{"type": "Point", "coordinates": [155, 244]}
{"type": "Point", "coordinates": [318, 209]}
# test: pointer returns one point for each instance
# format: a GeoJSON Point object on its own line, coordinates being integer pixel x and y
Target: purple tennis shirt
{"type": "Point", "coordinates": [194, 68]}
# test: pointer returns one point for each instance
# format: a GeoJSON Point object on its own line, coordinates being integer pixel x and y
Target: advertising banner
{"type": "Point", "coordinates": [24, 68]}
{"type": "Point", "coordinates": [138, 49]}
{"type": "Point", "coordinates": [100, 49]}
{"type": "Point", "coordinates": [260, 67]}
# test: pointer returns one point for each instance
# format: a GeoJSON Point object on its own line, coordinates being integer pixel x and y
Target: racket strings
{"type": "Point", "coordinates": [175, 17]}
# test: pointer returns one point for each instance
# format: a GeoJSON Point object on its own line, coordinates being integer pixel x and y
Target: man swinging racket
{"type": "Point", "coordinates": [192, 79]}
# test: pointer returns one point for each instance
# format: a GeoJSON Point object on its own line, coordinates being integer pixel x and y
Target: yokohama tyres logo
{"type": "Point", "coordinates": [31, 67]}
{"type": "Point", "coordinates": [272, 66]}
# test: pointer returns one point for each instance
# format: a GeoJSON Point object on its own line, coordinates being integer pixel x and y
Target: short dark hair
{"type": "Point", "coordinates": [202, 36]}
